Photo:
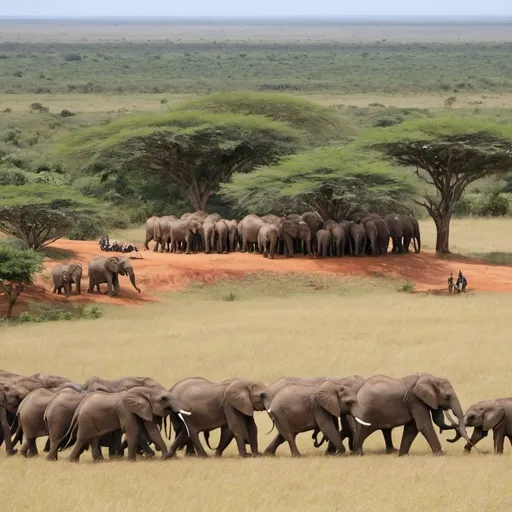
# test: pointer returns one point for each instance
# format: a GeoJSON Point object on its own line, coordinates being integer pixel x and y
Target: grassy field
{"type": "Point", "coordinates": [276, 328]}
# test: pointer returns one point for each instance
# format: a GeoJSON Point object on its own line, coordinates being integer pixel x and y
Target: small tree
{"type": "Point", "coordinates": [448, 102]}
{"type": "Point", "coordinates": [447, 154]}
{"type": "Point", "coordinates": [17, 269]}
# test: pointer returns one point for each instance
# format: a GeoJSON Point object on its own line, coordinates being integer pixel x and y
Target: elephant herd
{"type": "Point", "coordinates": [133, 412]}
{"type": "Point", "coordinates": [101, 270]}
{"type": "Point", "coordinates": [269, 235]}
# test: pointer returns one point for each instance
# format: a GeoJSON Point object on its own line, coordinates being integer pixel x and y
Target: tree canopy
{"type": "Point", "coordinates": [196, 150]}
{"type": "Point", "coordinates": [17, 269]}
{"type": "Point", "coordinates": [447, 154]}
{"type": "Point", "coordinates": [333, 181]}
{"type": "Point", "coordinates": [320, 124]}
{"type": "Point", "coordinates": [41, 214]}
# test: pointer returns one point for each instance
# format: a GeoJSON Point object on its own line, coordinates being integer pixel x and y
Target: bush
{"type": "Point", "coordinates": [7, 110]}
{"type": "Point", "coordinates": [51, 314]}
{"type": "Point", "coordinates": [72, 57]}
{"type": "Point", "coordinates": [87, 229]}
{"type": "Point", "coordinates": [492, 203]}
{"type": "Point", "coordinates": [66, 113]}
{"type": "Point", "coordinates": [12, 177]}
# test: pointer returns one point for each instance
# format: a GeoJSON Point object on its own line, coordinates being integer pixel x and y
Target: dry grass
{"type": "Point", "coordinates": [264, 336]}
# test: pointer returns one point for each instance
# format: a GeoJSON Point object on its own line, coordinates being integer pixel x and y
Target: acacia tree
{"type": "Point", "coordinates": [17, 269]}
{"type": "Point", "coordinates": [36, 214]}
{"type": "Point", "coordinates": [446, 154]}
{"type": "Point", "coordinates": [197, 151]}
{"type": "Point", "coordinates": [333, 181]}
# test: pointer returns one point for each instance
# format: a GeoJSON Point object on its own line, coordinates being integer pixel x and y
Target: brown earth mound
{"type": "Point", "coordinates": [166, 272]}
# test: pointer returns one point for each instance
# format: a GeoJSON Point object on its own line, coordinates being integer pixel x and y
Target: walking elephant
{"type": "Point", "coordinates": [101, 413]}
{"type": "Point", "coordinates": [268, 238]}
{"type": "Point", "coordinates": [413, 401]}
{"type": "Point", "coordinates": [107, 270]}
{"type": "Point", "coordinates": [495, 415]}
{"type": "Point", "coordinates": [65, 275]}
{"type": "Point", "coordinates": [117, 385]}
{"type": "Point", "coordinates": [303, 407]}
{"type": "Point", "coordinates": [213, 405]}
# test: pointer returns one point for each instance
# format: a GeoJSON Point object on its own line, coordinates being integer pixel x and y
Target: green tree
{"type": "Point", "coordinates": [17, 269]}
{"type": "Point", "coordinates": [446, 154]}
{"type": "Point", "coordinates": [333, 181]}
{"type": "Point", "coordinates": [197, 151]}
{"type": "Point", "coordinates": [41, 214]}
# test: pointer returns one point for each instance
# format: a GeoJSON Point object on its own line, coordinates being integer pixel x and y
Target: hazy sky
{"type": "Point", "coordinates": [251, 7]}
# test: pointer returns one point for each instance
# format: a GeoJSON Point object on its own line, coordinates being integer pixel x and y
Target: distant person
{"type": "Point", "coordinates": [461, 282]}
{"type": "Point", "coordinates": [450, 281]}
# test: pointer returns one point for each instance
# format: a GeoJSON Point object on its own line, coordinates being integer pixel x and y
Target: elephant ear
{"type": "Point", "coordinates": [327, 397]}
{"type": "Point", "coordinates": [492, 416]}
{"type": "Point", "coordinates": [137, 402]}
{"type": "Point", "coordinates": [426, 392]}
{"type": "Point", "coordinates": [239, 397]}
{"type": "Point", "coordinates": [113, 264]}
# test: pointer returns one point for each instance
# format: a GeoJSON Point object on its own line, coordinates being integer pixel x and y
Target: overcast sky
{"type": "Point", "coordinates": [252, 8]}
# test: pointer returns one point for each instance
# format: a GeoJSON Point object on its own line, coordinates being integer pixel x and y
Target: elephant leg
{"type": "Point", "coordinates": [240, 442]}
{"type": "Point", "coordinates": [423, 423]}
{"type": "Point", "coordinates": [386, 432]}
{"type": "Point", "coordinates": [156, 438]}
{"type": "Point", "coordinates": [290, 438]}
{"type": "Point", "coordinates": [274, 445]}
{"type": "Point", "coordinates": [194, 437]}
{"type": "Point", "coordinates": [226, 436]}
{"type": "Point", "coordinates": [77, 450]}
{"type": "Point", "coordinates": [499, 439]}
{"type": "Point", "coordinates": [252, 430]}
{"type": "Point", "coordinates": [326, 424]}
{"type": "Point", "coordinates": [362, 433]}
{"type": "Point", "coordinates": [25, 447]}
{"type": "Point", "coordinates": [46, 448]}
{"type": "Point", "coordinates": [180, 441]}
{"type": "Point", "coordinates": [7, 432]}
{"type": "Point", "coordinates": [97, 456]}
{"type": "Point", "coordinates": [409, 435]}
{"type": "Point", "coordinates": [115, 282]}
{"type": "Point", "coordinates": [478, 435]}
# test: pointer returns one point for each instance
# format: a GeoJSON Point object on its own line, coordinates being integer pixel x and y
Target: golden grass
{"type": "Point", "coordinates": [264, 336]}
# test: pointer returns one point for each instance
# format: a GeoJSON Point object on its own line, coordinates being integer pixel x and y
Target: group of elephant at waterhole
{"type": "Point", "coordinates": [137, 413]}
{"type": "Point", "coordinates": [308, 234]}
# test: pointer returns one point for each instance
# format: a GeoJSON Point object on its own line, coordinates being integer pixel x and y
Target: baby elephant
{"type": "Point", "coordinates": [487, 415]}
{"type": "Point", "coordinates": [63, 276]}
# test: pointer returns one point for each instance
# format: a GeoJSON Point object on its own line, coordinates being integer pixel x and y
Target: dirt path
{"type": "Point", "coordinates": [166, 272]}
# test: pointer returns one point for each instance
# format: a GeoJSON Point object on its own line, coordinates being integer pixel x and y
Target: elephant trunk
{"type": "Point", "coordinates": [417, 246]}
{"type": "Point", "coordinates": [459, 413]}
{"type": "Point", "coordinates": [131, 274]}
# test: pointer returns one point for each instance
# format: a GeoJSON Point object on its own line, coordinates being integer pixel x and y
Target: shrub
{"type": "Point", "coordinates": [12, 177]}
{"type": "Point", "coordinates": [17, 74]}
{"type": "Point", "coordinates": [406, 288]}
{"type": "Point", "coordinates": [72, 57]}
{"type": "Point", "coordinates": [87, 229]}
{"type": "Point", "coordinates": [7, 110]}
{"type": "Point", "coordinates": [51, 314]}
{"type": "Point", "coordinates": [66, 113]}
{"type": "Point", "coordinates": [38, 107]}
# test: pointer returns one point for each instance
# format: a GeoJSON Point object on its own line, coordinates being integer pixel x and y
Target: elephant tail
{"type": "Point", "coordinates": [66, 440]}
{"type": "Point", "coordinates": [316, 442]}
{"type": "Point", "coordinates": [207, 440]}
{"type": "Point", "coordinates": [271, 416]}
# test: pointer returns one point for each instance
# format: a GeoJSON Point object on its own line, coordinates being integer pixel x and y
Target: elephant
{"type": "Point", "coordinates": [249, 229]}
{"type": "Point", "coordinates": [358, 239]}
{"type": "Point", "coordinates": [151, 227]}
{"type": "Point", "coordinates": [212, 217]}
{"type": "Point", "coordinates": [214, 405]}
{"type": "Point", "coordinates": [303, 407]}
{"type": "Point", "coordinates": [323, 243]}
{"type": "Point", "coordinates": [232, 226]}
{"type": "Point", "coordinates": [268, 238]}
{"type": "Point", "coordinates": [162, 234]}
{"type": "Point", "coordinates": [117, 385]}
{"type": "Point", "coordinates": [53, 381]}
{"type": "Point", "coordinates": [495, 415]}
{"type": "Point", "coordinates": [408, 231]}
{"type": "Point", "coordinates": [57, 418]}
{"type": "Point", "coordinates": [383, 234]}
{"type": "Point", "coordinates": [207, 230]}
{"type": "Point", "coordinates": [13, 390]}
{"type": "Point", "coordinates": [184, 231]}
{"type": "Point", "coordinates": [63, 276]}
{"type": "Point", "coordinates": [107, 270]}
{"type": "Point", "coordinates": [412, 401]}
{"type": "Point", "coordinates": [396, 231]}
{"type": "Point", "coordinates": [100, 413]}
{"type": "Point", "coordinates": [338, 237]}
{"type": "Point", "coordinates": [354, 382]}
{"type": "Point", "coordinates": [198, 215]}
{"type": "Point", "coordinates": [315, 222]}
{"type": "Point", "coordinates": [291, 231]}
{"type": "Point", "coordinates": [416, 234]}
{"type": "Point", "coordinates": [370, 230]}
{"type": "Point", "coordinates": [221, 233]}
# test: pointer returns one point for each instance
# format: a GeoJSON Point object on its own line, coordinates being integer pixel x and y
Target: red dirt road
{"type": "Point", "coordinates": [165, 272]}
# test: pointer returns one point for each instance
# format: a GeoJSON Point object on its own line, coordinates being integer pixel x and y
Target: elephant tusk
{"type": "Point", "coordinates": [186, 413]}
{"type": "Point", "coordinates": [184, 423]}
{"type": "Point", "coordinates": [269, 410]}
{"type": "Point", "coordinates": [359, 420]}
{"type": "Point", "coordinates": [450, 418]}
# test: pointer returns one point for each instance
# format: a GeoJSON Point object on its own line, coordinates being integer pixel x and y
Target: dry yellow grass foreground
{"type": "Point", "coordinates": [335, 329]}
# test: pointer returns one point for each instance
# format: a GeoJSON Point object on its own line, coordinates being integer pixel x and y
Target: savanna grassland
{"type": "Point", "coordinates": [272, 328]}
{"type": "Point", "coordinates": [268, 327]}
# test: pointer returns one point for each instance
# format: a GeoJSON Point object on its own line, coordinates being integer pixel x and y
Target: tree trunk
{"type": "Point", "coordinates": [12, 300]}
{"type": "Point", "coordinates": [198, 201]}
{"type": "Point", "coordinates": [443, 234]}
